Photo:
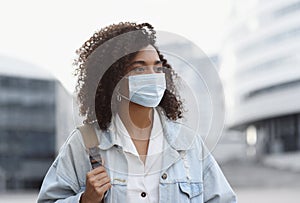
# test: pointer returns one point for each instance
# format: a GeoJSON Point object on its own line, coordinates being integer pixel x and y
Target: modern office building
{"type": "Point", "coordinates": [260, 68]}
{"type": "Point", "coordinates": [35, 115]}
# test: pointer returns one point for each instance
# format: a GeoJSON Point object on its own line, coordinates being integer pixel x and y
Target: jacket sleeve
{"type": "Point", "coordinates": [216, 187]}
{"type": "Point", "coordinates": [65, 178]}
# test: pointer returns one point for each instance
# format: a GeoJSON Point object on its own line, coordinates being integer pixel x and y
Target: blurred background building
{"type": "Point", "coordinates": [35, 118]}
{"type": "Point", "coordinates": [260, 67]}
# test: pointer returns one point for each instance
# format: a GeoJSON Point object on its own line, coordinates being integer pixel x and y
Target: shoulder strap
{"type": "Point", "coordinates": [91, 143]}
{"type": "Point", "coordinates": [89, 136]}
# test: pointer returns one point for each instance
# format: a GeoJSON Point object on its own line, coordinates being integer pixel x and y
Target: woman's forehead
{"type": "Point", "coordinates": [147, 53]}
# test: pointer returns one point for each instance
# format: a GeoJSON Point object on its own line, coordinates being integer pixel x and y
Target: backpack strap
{"type": "Point", "coordinates": [89, 136]}
{"type": "Point", "coordinates": [91, 143]}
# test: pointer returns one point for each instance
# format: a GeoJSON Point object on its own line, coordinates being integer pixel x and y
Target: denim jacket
{"type": "Point", "coordinates": [189, 172]}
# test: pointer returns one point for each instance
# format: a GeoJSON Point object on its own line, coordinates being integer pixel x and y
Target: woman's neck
{"type": "Point", "coordinates": [138, 122]}
{"type": "Point", "coordinates": [140, 116]}
{"type": "Point", "coordinates": [137, 119]}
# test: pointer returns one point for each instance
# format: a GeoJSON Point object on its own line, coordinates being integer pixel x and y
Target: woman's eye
{"type": "Point", "coordinates": [158, 69]}
{"type": "Point", "coordinates": [139, 69]}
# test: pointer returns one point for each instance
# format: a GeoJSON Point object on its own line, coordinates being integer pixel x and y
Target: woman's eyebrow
{"type": "Point", "coordinates": [140, 62]}
{"type": "Point", "coordinates": [157, 62]}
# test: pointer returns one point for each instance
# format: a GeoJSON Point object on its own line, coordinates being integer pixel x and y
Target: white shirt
{"type": "Point", "coordinates": [143, 179]}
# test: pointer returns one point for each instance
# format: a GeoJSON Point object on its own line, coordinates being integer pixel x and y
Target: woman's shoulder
{"type": "Point", "coordinates": [74, 136]}
{"type": "Point", "coordinates": [73, 141]}
{"type": "Point", "coordinates": [181, 136]}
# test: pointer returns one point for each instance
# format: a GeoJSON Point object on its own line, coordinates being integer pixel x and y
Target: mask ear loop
{"type": "Point", "coordinates": [119, 95]}
{"type": "Point", "coordinates": [119, 98]}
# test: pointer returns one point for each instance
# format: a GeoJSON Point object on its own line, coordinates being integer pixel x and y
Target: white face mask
{"type": "Point", "coordinates": [147, 89]}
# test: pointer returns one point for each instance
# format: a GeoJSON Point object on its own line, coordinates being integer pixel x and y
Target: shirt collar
{"type": "Point", "coordinates": [177, 135]}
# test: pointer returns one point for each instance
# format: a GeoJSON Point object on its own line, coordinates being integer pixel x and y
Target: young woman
{"type": "Point", "coordinates": [126, 92]}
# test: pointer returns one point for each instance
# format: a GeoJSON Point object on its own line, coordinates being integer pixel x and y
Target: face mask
{"type": "Point", "coordinates": [147, 89]}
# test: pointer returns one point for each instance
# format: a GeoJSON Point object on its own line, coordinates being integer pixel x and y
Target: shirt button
{"type": "Point", "coordinates": [164, 176]}
{"type": "Point", "coordinates": [143, 194]}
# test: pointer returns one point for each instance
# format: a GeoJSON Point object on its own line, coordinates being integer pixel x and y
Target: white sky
{"type": "Point", "coordinates": [47, 32]}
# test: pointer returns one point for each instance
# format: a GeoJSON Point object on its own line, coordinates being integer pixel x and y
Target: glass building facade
{"type": "Point", "coordinates": [30, 134]}
{"type": "Point", "coordinates": [27, 130]}
{"type": "Point", "coordinates": [261, 72]}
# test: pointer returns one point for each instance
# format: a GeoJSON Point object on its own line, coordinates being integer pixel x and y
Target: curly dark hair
{"type": "Point", "coordinates": [102, 63]}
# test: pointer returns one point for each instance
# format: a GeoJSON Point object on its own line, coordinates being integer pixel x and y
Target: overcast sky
{"type": "Point", "coordinates": [47, 33]}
